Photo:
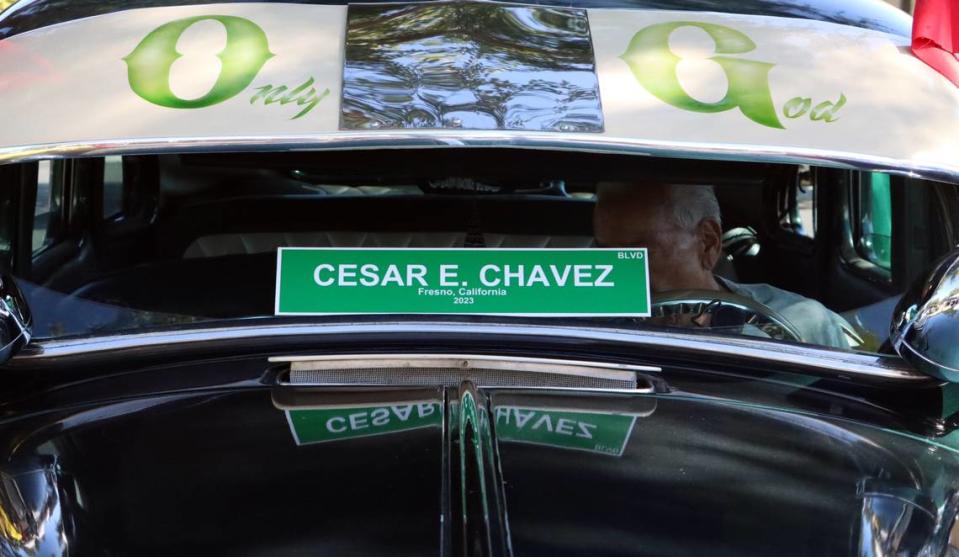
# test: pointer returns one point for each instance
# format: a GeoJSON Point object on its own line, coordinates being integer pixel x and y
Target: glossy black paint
{"type": "Point", "coordinates": [870, 14]}
{"type": "Point", "coordinates": [31, 383]}
{"type": "Point", "coordinates": [218, 473]}
{"type": "Point", "coordinates": [197, 457]}
{"type": "Point", "coordinates": [701, 477]}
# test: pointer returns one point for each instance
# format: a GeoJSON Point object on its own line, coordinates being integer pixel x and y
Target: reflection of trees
{"type": "Point", "coordinates": [861, 13]}
{"type": "Point", "coordinates": [946, 303]}
{"type": "Point", "coordinates": [519, 33]}
{"type": "Point", "coordinates": [492, 66]}
{"type": "Point", "coordinates": [33, 14]}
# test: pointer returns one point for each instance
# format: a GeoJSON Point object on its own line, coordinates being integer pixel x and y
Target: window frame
{"type": "Point", "coordinates": [16, 219]}
{"type": "Point", "coordinates": [100, 201]}
{"type": "Point", "coordinates": [789, 217]}
{"type": "Point", "coordinates": [68, 241]}
{"type": "Point", "coordinates": [59, 210]}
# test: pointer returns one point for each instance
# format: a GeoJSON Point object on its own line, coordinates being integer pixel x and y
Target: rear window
{"type": "Point", "coordinates": [189, 240]}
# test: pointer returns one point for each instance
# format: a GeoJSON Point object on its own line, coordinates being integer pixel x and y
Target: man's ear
{"type": "Point", "coordinates": [711, 243]}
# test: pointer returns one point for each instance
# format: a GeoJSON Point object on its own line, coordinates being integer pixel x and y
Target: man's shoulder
{"type": "Point", "coordinates": [817, 323]}
{"type": "Point", "coordinates": [779, 299]}
{"type": "Point", "coordinates": [768, 295]}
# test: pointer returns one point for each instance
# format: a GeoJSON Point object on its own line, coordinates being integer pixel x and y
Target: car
{"type": "Point", "coordinates": [478, 278]}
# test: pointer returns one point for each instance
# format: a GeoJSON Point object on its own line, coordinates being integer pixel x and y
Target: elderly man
{"type": "Point", "coordinates": [681, 227]}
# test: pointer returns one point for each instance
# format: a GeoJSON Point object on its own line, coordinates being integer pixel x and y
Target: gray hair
{"type": "Point", "coordinates": [691, 204]}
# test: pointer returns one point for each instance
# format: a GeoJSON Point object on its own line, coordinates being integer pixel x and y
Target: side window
{"type": "Point", "coordinates": [112, 187]}
{"type": "Point", "coordinates": [871, 219]}
{"type": "Point", "coordinates": [48, 212]}
{"type": "Point", "coordinates": [866, 246]}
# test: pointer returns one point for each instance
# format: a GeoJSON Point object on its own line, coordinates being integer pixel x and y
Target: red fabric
{"type": "Point", "coordinates": [935, 36]}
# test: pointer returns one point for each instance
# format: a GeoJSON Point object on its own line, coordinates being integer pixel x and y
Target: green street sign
{"type": "Point", "coordinates": [318, 425]}
{"type": "Point", "coordinates": [546, 282]}
{"type": "Point", "coordinates": [565, 429]}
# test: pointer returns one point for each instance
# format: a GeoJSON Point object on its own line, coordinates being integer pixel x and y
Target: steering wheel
{"type": "Point", "coordinates": [709, 308]}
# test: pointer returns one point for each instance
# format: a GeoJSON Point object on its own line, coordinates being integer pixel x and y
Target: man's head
{"type": "Point", "coordinates": [680, 225]}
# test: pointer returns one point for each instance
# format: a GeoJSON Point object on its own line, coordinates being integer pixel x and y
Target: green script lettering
{"type": "Point", "coordinates": [827, 110]}
{"type": "Point", "coordinates": [796, 107]}
{"type": "Point", "coordinates": [150, 62]}
{"type": "Point", "coordinates": [303, 95]}
{"type": "Point", "coordinates": [824, 111]}
{"type": "Point", "coordinates": [654, 65]}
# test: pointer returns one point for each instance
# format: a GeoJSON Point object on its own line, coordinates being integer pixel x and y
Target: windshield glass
{"type": "Point", "coordinates": [785, 252]}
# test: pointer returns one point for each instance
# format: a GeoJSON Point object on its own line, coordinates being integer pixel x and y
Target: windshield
{"type": "Point", "coordinates": [784, 252]}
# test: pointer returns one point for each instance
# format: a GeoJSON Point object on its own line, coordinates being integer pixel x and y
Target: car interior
{"type": "Point", "coordinates": [165, 239]}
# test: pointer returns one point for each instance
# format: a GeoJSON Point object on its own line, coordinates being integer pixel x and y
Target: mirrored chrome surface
{"type": "Point", "coordinates": [469, 65]}
{"type": "Point", "coordinates": [825, 361]}
{"type": "Point", "coordinates": [444, 139]}
{"type": "Point", "coordinates": [896, 520]}
{"type": "Point", "coordinates": [454, 369]}
{"type": "Point", "coordinates": [925, 325]}
{"type": "Point", "coordinates": [32, 521]}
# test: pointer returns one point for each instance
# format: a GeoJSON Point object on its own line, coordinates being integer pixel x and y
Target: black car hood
{"type": "Point", "coordinates": [258, 470]}
{"type": "Point", "coordinates": [701, 477]}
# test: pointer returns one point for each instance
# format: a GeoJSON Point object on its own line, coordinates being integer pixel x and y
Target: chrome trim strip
{"type": "Point", "coordinates": [823, 360]}
{"type": "Point", "coordinates": [412, 139]}
{"type": "Point", "coordinates": [417, 362]}
{"type": "Point", "coordinates": [547, 389]}
{"type": "Point", "coordinates": [580, 390]}
{"type": "Point", "coordinates": [466, 361]}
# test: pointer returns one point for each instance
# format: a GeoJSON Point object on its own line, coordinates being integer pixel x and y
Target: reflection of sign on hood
{"type": "Point", "coordinates": [318, 425]}
{"type": "Point", "coordinates": [597, 432]}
